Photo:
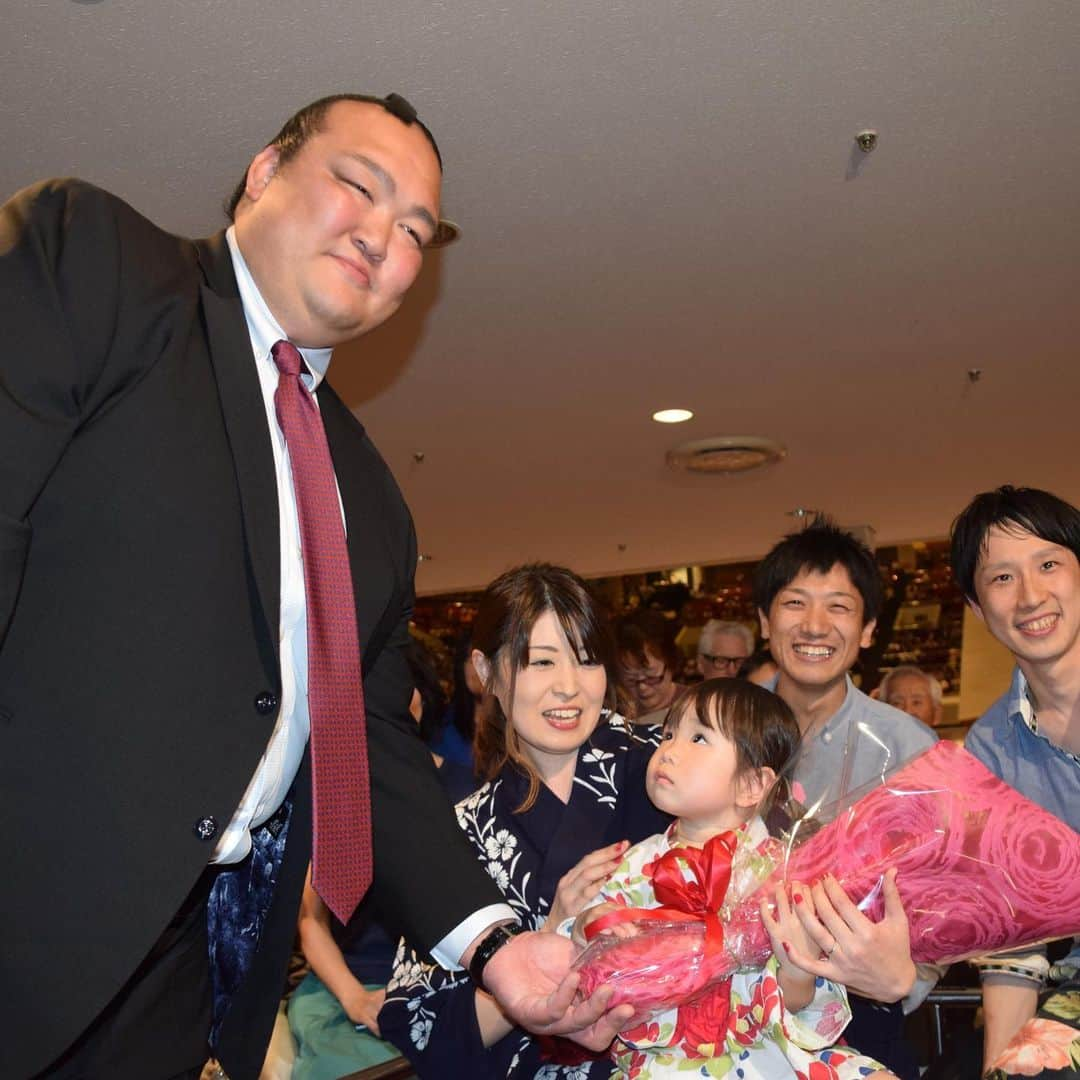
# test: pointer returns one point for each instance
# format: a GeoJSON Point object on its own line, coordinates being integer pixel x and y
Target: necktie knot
{"type": "Point", "coordinates": [287, 357]}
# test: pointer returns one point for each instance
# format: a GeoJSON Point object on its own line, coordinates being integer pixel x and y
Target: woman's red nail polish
{"type": "Point", "coordinates": [787, 947]}
{"type": "Point", "coordinates": [797, 897]}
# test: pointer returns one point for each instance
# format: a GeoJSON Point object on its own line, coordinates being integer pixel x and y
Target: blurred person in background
{"type": "Point", "coordinates": [724, 646]}
{"type": "Point", "coordinates": [760, 668]}
{"type": "Point", "coordinates": [648, 663]}
{"type": "Point", "coordinates": [454, 739]}
{"type": "Point", "coordinates": [914, 691]}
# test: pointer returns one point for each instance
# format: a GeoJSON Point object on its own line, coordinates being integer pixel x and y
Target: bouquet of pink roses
{"type": "Point", "coordinates": [981, 869]}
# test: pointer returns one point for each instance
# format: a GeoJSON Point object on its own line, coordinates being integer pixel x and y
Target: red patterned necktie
{"type": "Point", "coordinates": [341, 868]}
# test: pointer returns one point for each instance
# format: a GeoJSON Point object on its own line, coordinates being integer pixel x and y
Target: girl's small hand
{"type": "Point", "coordinates": [788, 935]}
{"type": "Point", "coordinates": [589, 915]}
{"type": "Point", "coordinates": [583, 882]}
{"type": "Point", "coordinates": [784, 927]}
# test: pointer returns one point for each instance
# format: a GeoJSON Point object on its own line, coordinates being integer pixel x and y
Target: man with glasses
{"type": "Point", "coordinates": [724, 646]}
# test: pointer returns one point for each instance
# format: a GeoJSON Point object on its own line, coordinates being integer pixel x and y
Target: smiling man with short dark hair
{"type": "Point", "coordinates": [1016, 556]}
{"type": "Point", "coordinates": [818, 592]}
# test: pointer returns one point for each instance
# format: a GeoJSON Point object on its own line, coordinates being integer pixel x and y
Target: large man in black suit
{"type": "Point", "coordinates": [150, 616]}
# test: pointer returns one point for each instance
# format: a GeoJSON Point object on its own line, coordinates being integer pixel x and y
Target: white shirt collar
{"type": "Point", "coordinates": [1020, 703]}
{"type": "Point", "coordinates": [263, 329]}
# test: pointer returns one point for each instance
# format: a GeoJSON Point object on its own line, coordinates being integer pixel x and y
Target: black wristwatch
{"type": "Point", "coordinates": [492, 942]}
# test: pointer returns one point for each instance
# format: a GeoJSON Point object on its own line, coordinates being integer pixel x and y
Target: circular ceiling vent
{"type": "Point", "coordinates": [726, 454]}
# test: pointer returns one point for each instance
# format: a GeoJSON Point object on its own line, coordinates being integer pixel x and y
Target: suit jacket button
{"type": "Point", "coordinates": [265, 703]}
{"type": "Point", "coordinates": [205, 828]}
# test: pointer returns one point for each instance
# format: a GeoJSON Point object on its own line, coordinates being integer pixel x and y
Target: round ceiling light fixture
{"type": "Point", "coordinates": [726, 454]}
{"type": "Point", "coordinates": [672, 416]}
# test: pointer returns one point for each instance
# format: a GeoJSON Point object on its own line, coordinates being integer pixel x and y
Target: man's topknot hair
{"type": "Point", "coordinates": [309, 120]}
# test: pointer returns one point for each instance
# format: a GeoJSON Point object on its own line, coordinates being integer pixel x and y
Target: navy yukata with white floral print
{"type": "Point", "coordinates": [429, 1012]}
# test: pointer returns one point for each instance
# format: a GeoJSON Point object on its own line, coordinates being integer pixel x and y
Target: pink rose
{"type": "Point", "coordinates": [980, 867]}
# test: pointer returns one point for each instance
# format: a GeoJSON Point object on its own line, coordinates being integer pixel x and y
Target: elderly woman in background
{"type": "Point", "coordinates": [914, 691]}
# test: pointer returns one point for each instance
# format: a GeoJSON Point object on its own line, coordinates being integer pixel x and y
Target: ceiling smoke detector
{"type": "Point", "coordinates": [726, 454]}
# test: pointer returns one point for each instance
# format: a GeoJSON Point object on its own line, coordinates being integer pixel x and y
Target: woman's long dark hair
{"type": "Point", "coordinates": [508, 611]}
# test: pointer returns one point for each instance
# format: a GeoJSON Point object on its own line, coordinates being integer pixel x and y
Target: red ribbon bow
{"type": "Point", "coordinates": [701, 896]}
{"type": "Point", "coordinates": [695, 900]}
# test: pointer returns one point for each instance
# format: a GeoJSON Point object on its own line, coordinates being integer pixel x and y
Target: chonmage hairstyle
{"type": "Point", "coordinates": [1010, 508]}
{"type": "Point", "coordinates": [309, 120]}
{"type": "Point", "coordinates": [818, 548]}
{"type": "Point", "coordinates": [508, 610]}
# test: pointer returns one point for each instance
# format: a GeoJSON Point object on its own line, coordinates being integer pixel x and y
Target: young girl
{"type": "Point", "coordinates": [725, 745]}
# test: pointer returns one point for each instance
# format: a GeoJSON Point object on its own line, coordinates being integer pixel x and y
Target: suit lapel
{"type": "Point", "coordinates": [369, 555]}
{"type": "Point", "coordinates": [245, 420]}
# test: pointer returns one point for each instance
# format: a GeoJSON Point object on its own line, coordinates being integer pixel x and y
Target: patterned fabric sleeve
{"type": "Point", "coordinates": [430, 1016]}
{"type": "Point", "coordinates": [822, 1021]}
{"type": "Point", "coordinates": [430, 1013]}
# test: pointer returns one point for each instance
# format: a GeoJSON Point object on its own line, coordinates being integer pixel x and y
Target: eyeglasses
{"type": "Point", "coordinates": [645, 680]}
{"type": "Point", "coordinates": [732, 663]}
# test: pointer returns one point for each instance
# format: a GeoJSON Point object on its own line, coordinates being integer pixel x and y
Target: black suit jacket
{"type": "Point", "coordinates": [139, 595]}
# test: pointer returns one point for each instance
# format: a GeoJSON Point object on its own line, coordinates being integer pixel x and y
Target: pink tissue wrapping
{"type": "Point", "coordinates": [981, 869]}
{"type": "Point", "coordinates": [663, 965]}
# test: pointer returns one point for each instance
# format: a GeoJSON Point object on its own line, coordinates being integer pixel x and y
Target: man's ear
{"type": "Point", "coordinates": [868, 634]}
{"type": "Point", "coordinates": [977, 610]}
{"type": "Point", "coordinates": [752, 786]}
{"type": "Point", "coordinates": [261, 171]}
{"type": "Point", "coordinates": [763, 619]}
{"type": "Point", "coordinates": [483, 667]}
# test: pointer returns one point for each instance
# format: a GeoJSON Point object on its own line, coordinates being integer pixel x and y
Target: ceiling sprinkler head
{"type": "Point", "coordinates": [866, 140]}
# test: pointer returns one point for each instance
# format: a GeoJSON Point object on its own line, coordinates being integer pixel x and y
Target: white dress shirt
{"type": "Point", "coordinates": [279, 764]}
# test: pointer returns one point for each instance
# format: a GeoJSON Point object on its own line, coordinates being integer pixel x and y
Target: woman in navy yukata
{"type": "Point", "coordinates": [564, 798]}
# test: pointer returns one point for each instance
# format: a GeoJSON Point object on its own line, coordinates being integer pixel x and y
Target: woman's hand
{"type": "Point", "coordinates": [873, 959]}
{"type": "Point", "coordinates": [786, 933]}
{"type": "Point", "coordinates": [362, 1007]}
{"type": "Point", "coordinates": [582, 883]}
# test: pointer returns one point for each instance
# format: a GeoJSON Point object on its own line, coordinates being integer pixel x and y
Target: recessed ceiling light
{"type": "Point", "coordinates": [672, 416]}
{"type": "Point", "coordinates": [446, 233]}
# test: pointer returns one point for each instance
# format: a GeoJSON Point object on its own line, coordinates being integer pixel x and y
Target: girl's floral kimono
{"type": "Point", "coordinates": [741, 1030]}
{"type": "Point", "coordinates": [429, 1013]}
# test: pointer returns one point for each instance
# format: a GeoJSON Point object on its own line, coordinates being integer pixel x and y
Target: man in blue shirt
{"type": "Point", "coordinates": [1016, 556]}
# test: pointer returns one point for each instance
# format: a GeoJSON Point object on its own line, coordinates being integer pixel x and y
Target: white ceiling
{"type": "Point", "coordinates": [662, 205]}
